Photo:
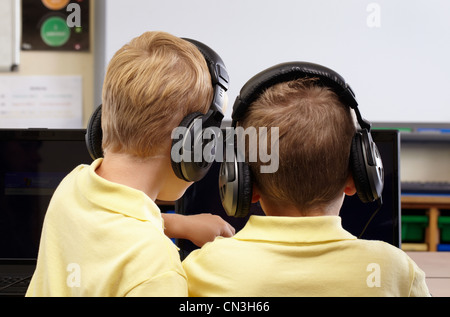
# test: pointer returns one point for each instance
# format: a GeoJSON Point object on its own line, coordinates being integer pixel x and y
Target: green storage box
{"type": "Point", "coordinates": [444, 227]}
{"type": "Point", "coordinates": [413, 228]}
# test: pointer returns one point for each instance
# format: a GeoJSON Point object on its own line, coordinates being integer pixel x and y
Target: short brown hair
{"type": "Point", "coordinates": [315, 134]}
{"type": "Point", "coordinates": [151, 84]}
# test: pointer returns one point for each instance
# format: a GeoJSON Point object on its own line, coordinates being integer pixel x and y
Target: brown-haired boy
{"type": "Point", "coordinates": [299, 247]}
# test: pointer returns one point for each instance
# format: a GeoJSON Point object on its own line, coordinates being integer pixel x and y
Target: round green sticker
{"type": "Point", "coordinates": [55, 32]}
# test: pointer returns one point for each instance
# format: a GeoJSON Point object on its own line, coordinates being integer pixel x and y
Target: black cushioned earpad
{"type": "Point", "coordinates": [358, 169]}
{"type": "Point", "coordinates": [245, 190]}
{"type": "Point", "coordinates": [178, 166]}
{"type": "Point", "coordinates": [94, 134]}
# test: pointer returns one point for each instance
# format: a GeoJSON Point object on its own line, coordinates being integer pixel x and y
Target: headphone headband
{"type": "Point", "coordinates": [290, 71]}
{"type": "Point", "coordinates": [218, 71]}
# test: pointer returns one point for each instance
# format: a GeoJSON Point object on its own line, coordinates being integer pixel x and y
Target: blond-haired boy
{"type": "Point", "coordinates": [103, 234]}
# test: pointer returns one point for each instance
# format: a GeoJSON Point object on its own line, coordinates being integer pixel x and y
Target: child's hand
{"type": "Point", "coordinates": [199, 229]}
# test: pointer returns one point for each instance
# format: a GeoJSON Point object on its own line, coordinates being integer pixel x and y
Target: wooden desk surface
{"type": "Point", "coordinates": [436, 266]}
{"type": "Point", "coordinates": [423, 201]}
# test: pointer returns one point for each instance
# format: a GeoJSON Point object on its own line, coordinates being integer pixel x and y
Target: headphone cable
{"type": "Point", "coordinates": [380, 204]}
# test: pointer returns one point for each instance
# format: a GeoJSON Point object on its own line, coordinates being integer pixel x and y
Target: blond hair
{"type": "Point", "coordinates": [315, 135]}
{"type": "Point", "coordinates": [152, 83]}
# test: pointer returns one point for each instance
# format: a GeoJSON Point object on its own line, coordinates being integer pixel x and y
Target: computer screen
{"type": "Point", "coordinates": [203, 197]}
{"type": "Point", "coordinates": [386, 223]}
{"type": "Point", "coordinates": [32, 164]}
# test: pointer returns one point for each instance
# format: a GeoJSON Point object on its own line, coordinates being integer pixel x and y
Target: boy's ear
{"type": "Point", "coordinates": [350, 188]}
{"type": "Point", "coordinates": [255, 194]}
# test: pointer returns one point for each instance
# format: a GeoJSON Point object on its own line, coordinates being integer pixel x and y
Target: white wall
{"type": "Point", "coordinates": [394, 54]}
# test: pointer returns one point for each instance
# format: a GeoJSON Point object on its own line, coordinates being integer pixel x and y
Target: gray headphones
{"type": "Point", "coordinates": [235, 179]}
{"type": "Point", "coordinates": [189, 170]}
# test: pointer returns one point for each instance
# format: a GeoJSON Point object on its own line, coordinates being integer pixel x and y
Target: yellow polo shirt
{"type": "Point", "coordinates": [304, 256]}
{"type": "Point", "coordinates": [104, 239]}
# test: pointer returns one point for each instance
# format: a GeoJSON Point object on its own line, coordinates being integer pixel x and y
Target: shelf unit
{"type": "Point", "coordinates": [433, 206]}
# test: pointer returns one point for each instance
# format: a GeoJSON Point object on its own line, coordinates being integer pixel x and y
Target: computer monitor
{"type": "Point", "coordinates": [386, 223]}
{"type": "Point", "coordinates": [32, 164]}
{"type": "Point", "coordinates": [203, 197]}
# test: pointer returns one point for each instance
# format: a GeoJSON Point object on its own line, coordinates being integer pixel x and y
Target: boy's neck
{"type": "Point", "coordinates": [146, 175]}
{"type": "Point", "coordinates": [331, 209]}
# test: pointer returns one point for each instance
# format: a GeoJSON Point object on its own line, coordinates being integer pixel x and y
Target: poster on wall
{"type": "Point", "coordinates": [53, 102]}
{"type": "Point", "coordinates": [55, 25]}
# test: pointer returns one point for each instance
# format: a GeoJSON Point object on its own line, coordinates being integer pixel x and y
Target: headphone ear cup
{"type": "Point", "coordinates": [358, 169]}
{"type": "Point", "coordinates": [235, 188]}
{"type": "Point", "coordinates": [245, 190]}
{"type": "Point", "coordinates": [367, 167]}
{"type": "Point", "coordinates": [190, 171]}
{"type": "Point", "coordinates": [94, 134]}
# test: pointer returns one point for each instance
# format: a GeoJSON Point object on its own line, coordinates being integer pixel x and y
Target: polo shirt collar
{"type": "Point", "coordinates": [118, 198]}
{"type": "Point", "coordinates": [294, 229]}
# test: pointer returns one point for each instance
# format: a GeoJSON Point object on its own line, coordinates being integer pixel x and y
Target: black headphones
{"type": "Point", "coordinates": [191, 169]}
{"type": "Point", "coordinates": [235, 180]}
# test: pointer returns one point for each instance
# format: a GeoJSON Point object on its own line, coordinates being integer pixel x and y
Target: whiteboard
{"type": "Point", "coordinates": [9, 34]}
{"type": "Point", "coordinates": [394, 54]}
